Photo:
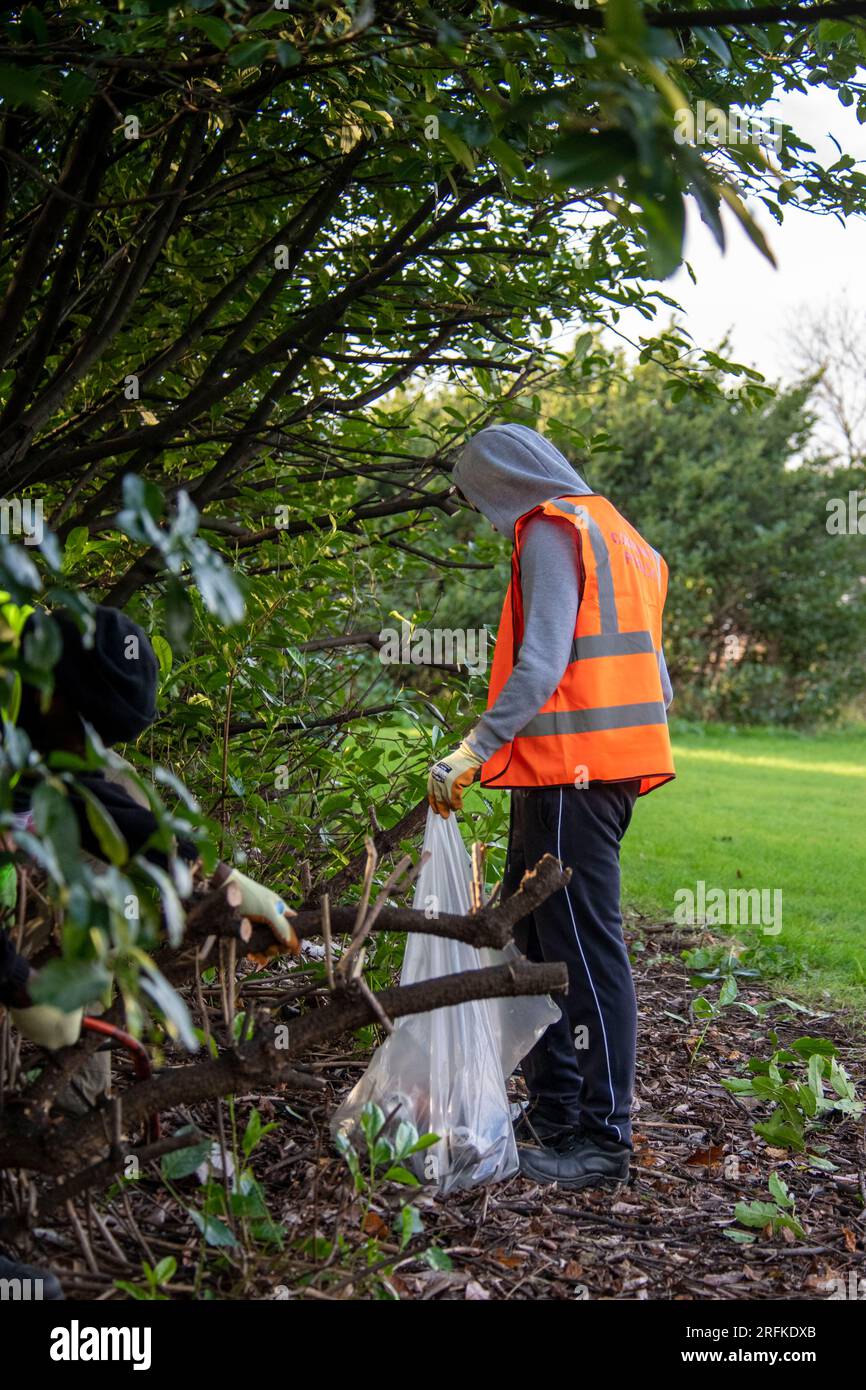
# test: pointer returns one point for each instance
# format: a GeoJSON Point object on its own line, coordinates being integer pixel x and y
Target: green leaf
{"type": "Point", "coordinates": [18, 574]}
{"type": "Point", "coordinates": [69, 984]}
{"type": "Point", "coordinates": [708, 202]}
{"type": "Point", "coordinates": [179, 615]}
{"type": "Point", "coordinates": [165, 778]}
{"type": "Point", "coordinates": [755, 1213]}
{"type": "Point", "coordinates": [780, 1133]}
{"type": "Point", "coordinates": [458, 148]}
{"type": "Point", "coordinates": [712, 40]}
{"type": "Point", "coordinates": [249, 1203]}
{"type": "Point", "coordinates": [269, 19]}
{"type": "Point", "coordinates": [268, 1232]}
{"type": "Point", "coordinates": [165, 1270]}
{"type": "Point", "coordinates": [514, 80]}
{"type": "Point", "coordinates": [75, 88]}
{"type": "Point", "coordinates": [824, 1164]}
{"type": "Point", "coordinates": [779, 1191]}
{"type": "Point", "coordinates": [216, 583]}
{"type": "Point", "coordinates": [382, 1151]}
{"type": "Point", "coordinates": [42, 643]}
{"type": "Point", "coordinates": [808, 1047]}
{"type": "Point", "coordinates": [624, 21]}
{"type": "Point", "coordinates": [77, 543]}
{"type": "Point", "coordinates": [437, 1259]}
{"type": "Point", "coordinates": [21, 86]}
{"type": "Point", "coordinates": [833, 31]}
{"type": "Point", "coordinates": [409, 1223]}
{"type": "Point", "coordinates": [252, 1133]}
{"type": "Point", "coordinates": [214, 1230]}
{"type": "Point", "coordinates": [182, 1163]}
{"type": "Point", "coordinates": [405, 1139]}
{"type": "Point", "coordinates": [175, 918]}
{"type": "Point", "coordinates": [111, 842]}
{"type": "Point", "coordinates": [426, 1141]}
{"type": "Point", "coordinates": [33, 21]}
{"type": "Point", "coordinates": [791, 1223]}
{"type": "Point", "coordinates": [219, 33]}
{"type": "Point", "coordinates": [42, 853]}
{"type": "Point", "coordinates": [728, 991]}
{"type": "Point", "coordinates": [507, 158]}
{"type": "Point", "coordinates": [590, 161]}
{"type": "Point", "coordinates": [249, 54]}
{"type": "Point", "coordinates": [172, 1007]}
{"type": "Point", "coordinates": [397, 1173]}
{"type": "Point", "coordinates": [142, 509]}
{"type": "Point", "coordinates": [164, 655]}
{"type": "Point", "coordinates": [841, 1081]}
{"type": "Point", "coordinates": [663, 215]}
{"type": "Point", "coordinates": [372, 1121]}
{"type": "Point", "coordinates": [747, 222]}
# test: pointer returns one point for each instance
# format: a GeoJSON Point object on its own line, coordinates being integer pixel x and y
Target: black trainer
{"type": "Point", "coordinates": [580, 1160]}
{"type": "Point", "coordinates": [22, 1281]}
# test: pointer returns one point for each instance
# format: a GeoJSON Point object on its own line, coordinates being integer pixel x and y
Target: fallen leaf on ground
{"type": "Point", "coordinates": [707, 1157]}
{"type": "Point", "coordinates": [373, 1225]}
{"type": "Point", "coordinates": [475, 1292]}
{"type": "Point", "coordinates": [508, 1261]}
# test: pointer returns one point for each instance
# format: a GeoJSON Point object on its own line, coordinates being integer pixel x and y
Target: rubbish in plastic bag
{"type": "Point", "coordinates": [445, 1071]}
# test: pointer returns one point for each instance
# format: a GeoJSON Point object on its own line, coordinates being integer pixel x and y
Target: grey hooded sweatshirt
{"type": "Point", "coordinates": [505, 471]}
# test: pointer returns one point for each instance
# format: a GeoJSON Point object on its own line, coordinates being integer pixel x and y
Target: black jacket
{"type": "Point", "coordinates": [136, 824]}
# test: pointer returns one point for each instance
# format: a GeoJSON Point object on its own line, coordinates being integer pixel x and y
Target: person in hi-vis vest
{"type": "Point", "coordinates": [576, 728]}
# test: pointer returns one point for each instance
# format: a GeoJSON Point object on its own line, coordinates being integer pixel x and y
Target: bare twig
{"type": "Point", "coordinates": [326, 934]}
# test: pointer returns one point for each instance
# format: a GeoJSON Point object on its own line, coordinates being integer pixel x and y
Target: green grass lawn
{"type": "Point", "coordinates": [768, 810]}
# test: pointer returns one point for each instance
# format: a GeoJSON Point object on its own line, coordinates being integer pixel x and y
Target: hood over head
{"type": "Point", "coordinates": [112, 683]}
{"type": "Point", "coordinates": [506, 470]}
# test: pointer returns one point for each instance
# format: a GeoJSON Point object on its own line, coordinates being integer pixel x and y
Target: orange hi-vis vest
{"type": "Point", "coordinates": [606, 720]}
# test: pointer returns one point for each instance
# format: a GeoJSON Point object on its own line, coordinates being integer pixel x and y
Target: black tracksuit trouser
{"type": "Point", "coordinates": [581, 1070]}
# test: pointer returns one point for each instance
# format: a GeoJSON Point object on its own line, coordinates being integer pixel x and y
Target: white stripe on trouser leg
{"type": "Point", "coordinates": [588, 975]}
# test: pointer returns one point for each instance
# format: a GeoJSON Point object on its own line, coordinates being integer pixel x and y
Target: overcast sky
{"type": "Point", "coordinates": [819, 259]}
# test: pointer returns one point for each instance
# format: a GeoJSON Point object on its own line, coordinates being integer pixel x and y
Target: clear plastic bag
{"type": "Point", "coordinates": [445, 1072]}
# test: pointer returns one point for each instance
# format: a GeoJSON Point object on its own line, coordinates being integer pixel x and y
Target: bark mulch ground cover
{"type": "Point", "coordinates": [663, 1236]}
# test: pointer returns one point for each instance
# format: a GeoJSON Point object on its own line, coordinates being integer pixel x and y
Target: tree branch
{"type": "Point", "coordinates": [719, 18]}
{"type": "Point", "coordinates": [267, 1059]}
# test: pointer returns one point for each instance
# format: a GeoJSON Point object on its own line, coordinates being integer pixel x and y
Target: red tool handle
{"type": "Point", "coordinates": [138, 1052]}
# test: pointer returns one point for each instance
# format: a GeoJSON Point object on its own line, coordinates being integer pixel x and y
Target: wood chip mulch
{"type": "Point", "coordinates": [660, 1237]}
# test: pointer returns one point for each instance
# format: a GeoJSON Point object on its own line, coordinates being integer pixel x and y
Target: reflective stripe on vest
{"type": "Point", "coordinates": [601, 555]}
{"type": "Point", "coordinates": [611, 644]}
{"type": "Point", "coordinates": [584, 721]}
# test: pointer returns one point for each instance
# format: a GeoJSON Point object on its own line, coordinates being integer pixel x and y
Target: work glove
{"type": "Point", "coordinates": [449, 777]}
{"type": "Point", "coordinates": [260, 904]}
{"type": "Point", "coordinates": [49, 1027]}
